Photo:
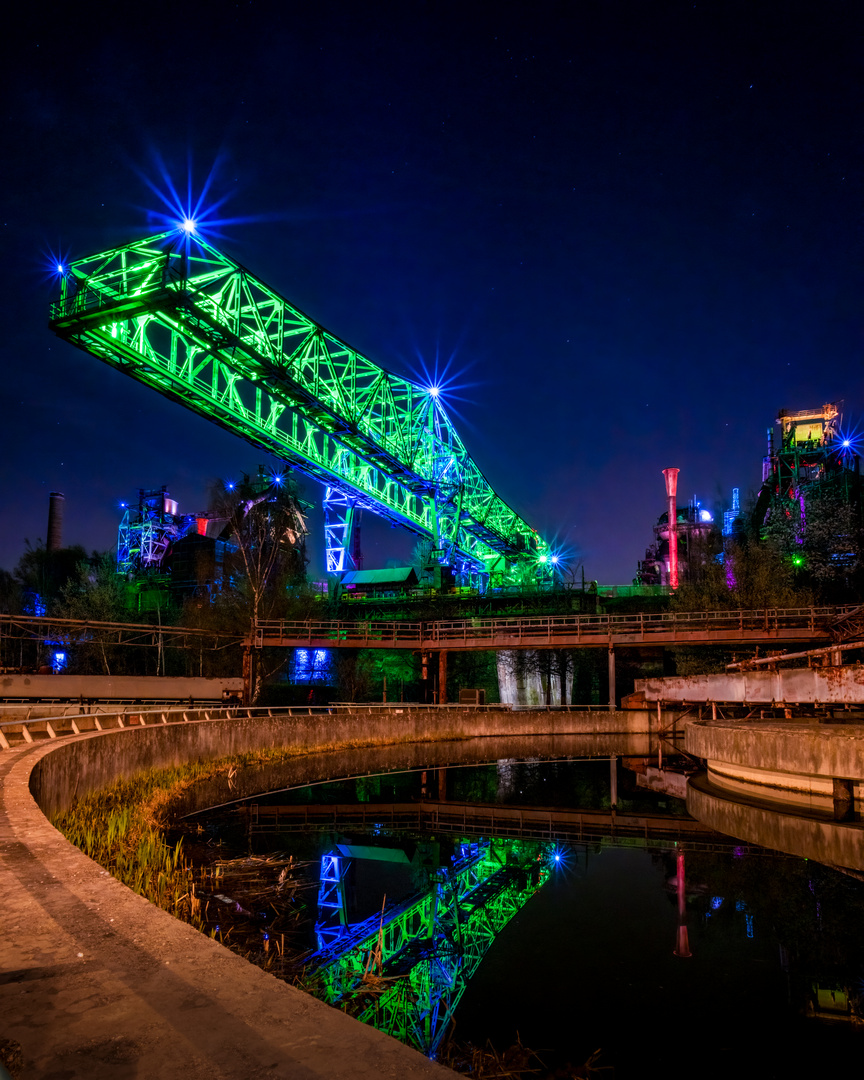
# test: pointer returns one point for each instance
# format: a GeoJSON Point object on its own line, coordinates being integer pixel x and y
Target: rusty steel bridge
{"type": "Point", "coordinates": [772, 626]}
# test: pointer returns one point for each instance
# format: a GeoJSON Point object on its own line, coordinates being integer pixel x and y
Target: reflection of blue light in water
{"type": "Point", "coordinates": [557, 857]}
{"type": "Point", "coordinates": [748, 920]}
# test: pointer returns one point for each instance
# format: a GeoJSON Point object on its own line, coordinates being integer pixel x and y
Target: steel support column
{"type": "Point", "coordinates": [442, 677]}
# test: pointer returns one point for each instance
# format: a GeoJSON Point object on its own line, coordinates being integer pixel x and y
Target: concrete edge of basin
{"type": "Point", "coordinates": [99, 982]}
{"type": "Point", "coordinates": [809, 749]}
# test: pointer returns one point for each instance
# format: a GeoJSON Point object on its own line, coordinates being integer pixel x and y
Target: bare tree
{"type": "Point", "coordinates": [266, 528]}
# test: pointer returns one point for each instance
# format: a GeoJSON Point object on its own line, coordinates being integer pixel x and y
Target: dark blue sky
{"type": "Point", "coordinates": [633, 228]}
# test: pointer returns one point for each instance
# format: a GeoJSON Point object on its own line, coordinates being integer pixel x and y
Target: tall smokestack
{"type": "Point", "coordinates": [55, 520]}
{"type": "Point", "coordinates": [672, 494]}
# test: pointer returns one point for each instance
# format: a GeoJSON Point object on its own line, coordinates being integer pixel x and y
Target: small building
{"type": "Point", "coordinates": [391, 581]}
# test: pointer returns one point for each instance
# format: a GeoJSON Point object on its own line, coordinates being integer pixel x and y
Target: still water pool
{"type": "Point", "coordinates": [592, 961]}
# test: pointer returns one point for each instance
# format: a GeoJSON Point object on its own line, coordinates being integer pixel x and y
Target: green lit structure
{"type": "Point", "coordinates": [405, 970]}
{"type": "Point", "coordinates": [185, 319]}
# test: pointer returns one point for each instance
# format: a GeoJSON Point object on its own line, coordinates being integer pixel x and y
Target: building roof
{"type": "Point", "coordinates": [396, 575]}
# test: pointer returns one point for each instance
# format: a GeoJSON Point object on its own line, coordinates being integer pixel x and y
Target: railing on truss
{"type": "Point", "coordinates": [546, 629]}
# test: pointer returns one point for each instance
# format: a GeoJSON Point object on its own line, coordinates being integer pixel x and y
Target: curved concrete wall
{"type": "Point", "coordinates": [825, 841]}
{"type": "Point", "coordinates": [830, 750]}
{"type": "Point", "coordinates": [83, 765]}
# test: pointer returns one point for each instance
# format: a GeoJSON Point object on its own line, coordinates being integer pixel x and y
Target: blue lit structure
{"type": "Point", "coordinates": [311, 666]}
{"type": "Point", "coordinates": [730, 515]}
{"type": "Point", "coordinates": [404, 970]}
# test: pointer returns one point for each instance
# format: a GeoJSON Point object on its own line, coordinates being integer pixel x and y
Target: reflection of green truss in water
{"type": "Point", "coordinates": [183, 318]}
{"type": "Point", "coordinates": [431, 944]}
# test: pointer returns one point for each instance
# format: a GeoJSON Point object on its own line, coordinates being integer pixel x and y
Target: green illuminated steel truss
{"type": "Point", "coordinates": [187, 320]}
{"type": "Point", "coordinates": [405, 972]}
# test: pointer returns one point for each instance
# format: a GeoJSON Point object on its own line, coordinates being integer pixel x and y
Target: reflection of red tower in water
{"type": "Point", "coordinates": [682, 943]}
{"type": "Point", "coordinates": [671, 476]}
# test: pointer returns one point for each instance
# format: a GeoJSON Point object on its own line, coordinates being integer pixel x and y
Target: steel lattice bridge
{"type": "Point", "coordinates": [183, 318]}
{"type": "Point", "coordinates": [405, 970]}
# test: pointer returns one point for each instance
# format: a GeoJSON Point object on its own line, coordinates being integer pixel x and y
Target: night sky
{"type": "Point", "coordinates": [630, 232]}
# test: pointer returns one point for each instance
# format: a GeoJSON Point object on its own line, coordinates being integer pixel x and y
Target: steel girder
{"type": "Point", "coordinates": [432, 945]}
{"type": "Point", "coordinates": [185, 319]}
{"type": "Point", "coordinates": [339, 512]}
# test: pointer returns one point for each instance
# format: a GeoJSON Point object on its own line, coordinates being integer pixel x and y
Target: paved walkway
{"type": "Point", "coordinates": [96, 982]}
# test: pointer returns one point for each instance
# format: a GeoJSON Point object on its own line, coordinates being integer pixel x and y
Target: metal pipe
{"type": "Point", "coordinates": [671, 476]}
{"type": "Point", "coordinates": [745, 665]}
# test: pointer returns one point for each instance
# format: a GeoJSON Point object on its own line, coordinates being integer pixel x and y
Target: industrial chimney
{"type": "Point", "coordinates": [671, 476]}
{"type": "Point", "coordinates": [55, 520]}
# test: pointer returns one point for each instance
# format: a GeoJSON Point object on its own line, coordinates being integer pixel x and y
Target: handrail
{"type": "Point", "coordinates": [760, 620]}
{"type": "Point", "coordinates": [54, 727]}
{"type": "Point", "coordinates": [80, 722]}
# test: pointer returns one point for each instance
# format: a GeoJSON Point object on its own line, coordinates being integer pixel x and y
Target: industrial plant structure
{"type": "Point", "coordinates": [182, 317]}
{"type": "Point", "coordinates": [189, 553]}
{"type": "Point", "coordinates": [682, 540]}
{"type": "Point", "coordinates": [811, 455]}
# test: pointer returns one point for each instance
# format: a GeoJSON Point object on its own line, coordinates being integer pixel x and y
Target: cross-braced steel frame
{"type": "Point", "coordinates": [423, 952]}
{"type": "Point", "coordinates": [182, 317]}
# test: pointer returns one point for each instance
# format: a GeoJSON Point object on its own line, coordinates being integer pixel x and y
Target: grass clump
{"type": "Point", "coordinates": [122, 829]}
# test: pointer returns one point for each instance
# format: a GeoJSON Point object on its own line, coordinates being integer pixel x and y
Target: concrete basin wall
{"type": "Point", "coordinates": [825, 841]}
{"type": "Point", "coordinates": [775, 784]}
{"type": "Point", "coordinates": [84, 765]}
{"type": "Point", "coordinates": [813, 749]}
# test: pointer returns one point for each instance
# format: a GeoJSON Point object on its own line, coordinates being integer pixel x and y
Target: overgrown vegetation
{"type": "Point", "coordinates": [122, 829]}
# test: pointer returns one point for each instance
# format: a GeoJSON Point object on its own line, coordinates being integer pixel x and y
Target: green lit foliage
{"type": "Point", "coordinates": [472, 671]}
{"type": "Point", "coordinates": [96, 593]}
{"type": "Point", "coordinates": [823, 545]}
{"type": "Point", "coordinates": [373, 674]}
{"type": "Point", "coordinates": [477, 784]}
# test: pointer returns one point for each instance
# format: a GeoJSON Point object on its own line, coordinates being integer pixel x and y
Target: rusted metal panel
{"type": "Point", "coordinates": [116, 687]}
{"type": "Point", "coordinates": [829, 685]}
